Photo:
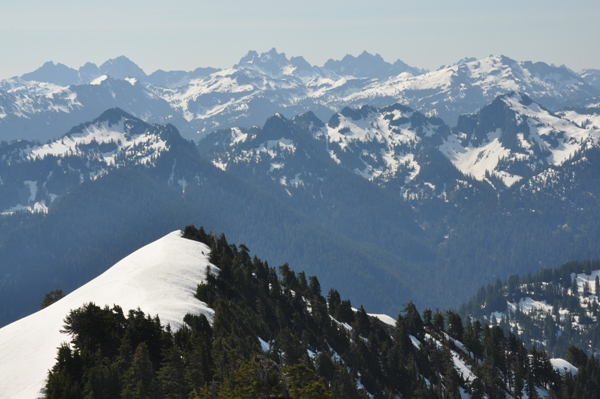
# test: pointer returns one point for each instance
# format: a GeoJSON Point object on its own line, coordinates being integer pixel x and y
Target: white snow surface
{"type": "Point", "coordinates": [160, 278]}
{"type": "Point", "coordinates": [390, 321]}
{"type": "Point", "coordinates": [99, 80]}
{"type": "Point", "coordinates": [563, 366]}
{"type": "Point", "coordinates": [586, 121]}
{"type": "Point", "coordinates": [462, 368]}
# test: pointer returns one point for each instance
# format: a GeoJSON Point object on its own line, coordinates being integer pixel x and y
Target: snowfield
{"type": "Point", "coordinates": [160, 278]}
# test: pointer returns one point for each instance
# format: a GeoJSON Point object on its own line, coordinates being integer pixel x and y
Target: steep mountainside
{"type": "Point", "coordinates": [371, 191]}
{"type": "Point", "coordinates": [35, 175]}
{"type": "Point", "coordinates": [514, 137]}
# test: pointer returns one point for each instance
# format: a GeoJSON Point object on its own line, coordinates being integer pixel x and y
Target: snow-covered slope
{"type": "Point", "coordinates": [591, 76]}
{"type": "Point", "coordinates": [381, 145]}
{"type": "Point", "coordinates": [293, 86]}
{"type": "Point", "coordinates": [160, 278]}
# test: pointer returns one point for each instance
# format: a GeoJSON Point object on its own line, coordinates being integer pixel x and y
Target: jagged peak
{"type": "Point", "coordinates": [358, 113]}
{"type": "Point", "coordinates": [272, 62]}
{"type": "Point", "coordinates": [276, 119]}
{"type": "Point", "coordinates": [307, 118]}
{"type": "Point", "coordinates": [366, 55]}
{"type": "Point", "coordinates": [122, 67]}
{"type": "Point", "coordinates": [272, 56]}
{"type": "Point", "coordinates": [369, 65]}
{"type": "Point", "coordinates": [397, 107]}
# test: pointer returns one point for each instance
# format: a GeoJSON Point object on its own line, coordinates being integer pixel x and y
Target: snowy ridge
{"type": "Point", "coordinates": [89, 151]}
{"type": "Point", "coordinates": [265, 78]}
{"type": "Point", "coordinates": [34, 98]}
{"type": "Point", "coordinates": [141, 148]}
{"type": "Point", "coordinates": [461, 88]}
{"type": "Point", "coordinates": [511, 140]}
{"type": "Point", "coordinates": [539, 308]}
{"type": "Point", "coordinates": [160, 278]}
{"type": "Point", "coordinates": [281, 152]}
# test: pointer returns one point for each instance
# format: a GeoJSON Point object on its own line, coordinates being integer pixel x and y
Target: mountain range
{"type": "Point", "coordinates": [386, 187]}
{"type": "Point", "coordinates": [43, 104]}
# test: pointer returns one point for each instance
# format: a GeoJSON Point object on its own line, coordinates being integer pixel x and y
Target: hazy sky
{"type": "Point", "coordinates": [186, 34]}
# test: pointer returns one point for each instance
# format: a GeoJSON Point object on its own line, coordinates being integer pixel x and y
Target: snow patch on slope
{"type": "Point", "coordinates": [98, 81]}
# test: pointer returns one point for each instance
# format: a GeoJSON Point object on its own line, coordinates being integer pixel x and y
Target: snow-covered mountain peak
{"type": "Point", "coordinates": [381, 144]}
{"type": "Point", "coordinates": [512, 138]}
{"type": "Point", "coordinates": [111, 135]}
{"type": "Point", "coordinates": [87, 152]}
{"type": "Point", "coordinates": [262, 84]}
{"type": "Point", "coordinates": [461, 61]}
{"type": "Point", "coordinates": [160, 278]}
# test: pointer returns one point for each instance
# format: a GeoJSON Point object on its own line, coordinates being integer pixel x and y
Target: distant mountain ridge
{"type": "Point", "coordinates": [511, 158]}
{"type": "Point", "coordinates": [370, 66]}
{"type": "Point", "coordinates": [510, 139]}
{"type": "Point", "coordinates": [260, 85]}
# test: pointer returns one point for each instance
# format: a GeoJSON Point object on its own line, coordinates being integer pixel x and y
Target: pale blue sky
{"type": "Point", "coordinates": [185, 34]}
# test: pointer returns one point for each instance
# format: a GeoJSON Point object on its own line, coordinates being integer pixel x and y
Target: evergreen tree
{"type": "Point", "coordinates": [51, 297]}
